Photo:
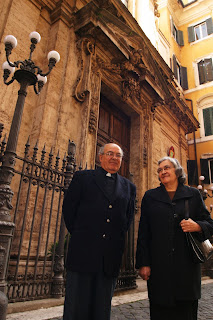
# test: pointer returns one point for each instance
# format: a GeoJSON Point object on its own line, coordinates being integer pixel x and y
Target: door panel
{"type": "Point", "coordinates": [113, 126]}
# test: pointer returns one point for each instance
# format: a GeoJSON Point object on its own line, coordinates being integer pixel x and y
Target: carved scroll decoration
{"type": "Point", "coordinates": [87, 51]}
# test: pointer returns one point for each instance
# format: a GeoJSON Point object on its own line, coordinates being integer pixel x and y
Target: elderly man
{"type": "Point", "coordinates": [98, 209]}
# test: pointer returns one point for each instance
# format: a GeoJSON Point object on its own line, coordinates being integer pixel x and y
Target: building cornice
{"type": "Point", "coordinates": [196, 15]}
{"type": "Point", "coordinates": [191, 12]}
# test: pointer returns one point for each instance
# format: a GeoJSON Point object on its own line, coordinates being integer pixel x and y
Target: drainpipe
{"type": "Point", "coordinates": [195, 147]}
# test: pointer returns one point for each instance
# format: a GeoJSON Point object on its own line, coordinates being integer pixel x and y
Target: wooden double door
{"type": "Point", "coordinates": [114, 126]}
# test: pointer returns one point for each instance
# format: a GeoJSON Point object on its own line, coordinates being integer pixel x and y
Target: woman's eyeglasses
{"type": "Point", "coordinates": [165, 168]}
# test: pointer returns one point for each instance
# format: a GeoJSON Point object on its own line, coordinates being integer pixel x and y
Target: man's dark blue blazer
{"type": "Point", "coordinates": [97, 222]}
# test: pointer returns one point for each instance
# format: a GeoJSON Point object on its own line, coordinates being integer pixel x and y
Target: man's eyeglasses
{"type": "Point", "coordinates": [165, 168]}
{"type": "Point", "coordinates": [112, 154]}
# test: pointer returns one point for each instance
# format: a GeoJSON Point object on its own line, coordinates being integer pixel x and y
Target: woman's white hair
{"type": "Point", "coordinates": [179, 171]}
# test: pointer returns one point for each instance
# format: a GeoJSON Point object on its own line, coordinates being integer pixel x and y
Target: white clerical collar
{"type": "Point", "coordinates": [108, 174]}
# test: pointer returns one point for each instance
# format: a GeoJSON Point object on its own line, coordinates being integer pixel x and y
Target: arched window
{"type": "Point", "coordinates": [205, 113]}
{"type": "Point", "coordinates": [208, 121]}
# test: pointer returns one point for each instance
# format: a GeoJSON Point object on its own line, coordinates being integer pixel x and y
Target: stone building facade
{"type": "Point", "coordinates": [110, 85]}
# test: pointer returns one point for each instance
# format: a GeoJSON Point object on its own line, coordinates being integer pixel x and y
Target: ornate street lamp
{"type": "Point", "coordinates": [204, 192]}
{"type": "Point", "coordinates": [28, 74]}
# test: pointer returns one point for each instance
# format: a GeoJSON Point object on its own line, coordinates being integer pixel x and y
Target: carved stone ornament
{"type": "Point", "coordinates": [130, 73]}
{"type": "Point", "coordinates": [92, 122]}
{"type": "Point", "coordinates": [153, 108]}
{"type": "Point", "coordinates": [6, 198]}
{"type": "Point", "coordinates": [130, 87]}
{"type": "Point", "coordinates": [87, 49]}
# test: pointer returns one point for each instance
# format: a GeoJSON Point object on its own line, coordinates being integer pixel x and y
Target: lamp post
{"type": "Point", "coordinates": [204, 192]}
{"type": "Point", "coordinates": [27, 74]}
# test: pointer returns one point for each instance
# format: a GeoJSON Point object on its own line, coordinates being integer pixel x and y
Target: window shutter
{"type": "Point", "coordinates": [209, 24]}
{"type": "Point", "coordinates": [192, 172]}
{"type": "Point", "coordinates": [191, 34]}
{"type": "Point", "coordinates": [201, 70]}
{"type": "Point", "coordinates": [180, 39]}
{"type": "Point", "coordinates": [175, 66]}
{"type": "Point", "coordinates": [205, 170]}
{"type": "Point", "coordinates": [208, 121]}
{"type": "Point", "coordinates": [183, 78]}
{"type": "Point", "coordinates": [209, 69]}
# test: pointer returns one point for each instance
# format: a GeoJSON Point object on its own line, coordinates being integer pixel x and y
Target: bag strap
{"type": "Point", "coordinates": [186, 209]}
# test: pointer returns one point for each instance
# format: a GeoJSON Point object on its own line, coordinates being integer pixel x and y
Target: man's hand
{"type": "Point", "coordinates": [144, 273]}
{"type": "Point", "coordinates": [190, 226]}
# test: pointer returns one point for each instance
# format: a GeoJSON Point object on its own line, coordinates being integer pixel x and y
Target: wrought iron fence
{"type": "Point", "coordinates": [36, 265]}
{"type": "Point", "coordinates": [37, 211]}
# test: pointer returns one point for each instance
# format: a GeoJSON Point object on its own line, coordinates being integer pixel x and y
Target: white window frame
{"type": "Point", "coordinates": [201, 33]}
{"type": "Point", "coordinates": [208, 157]}
{"type": "Point", "coordinates": [199, 22]}
{"type": "Point", "coordinates": [174, 29]}
{"type": "Point", "coordinates": [175, 32]}
{"type": "Point", "coordinates": [196, 72]}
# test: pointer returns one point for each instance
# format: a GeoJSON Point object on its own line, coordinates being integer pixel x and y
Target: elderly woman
{"type": "Point", "coordinates": [163, 257]}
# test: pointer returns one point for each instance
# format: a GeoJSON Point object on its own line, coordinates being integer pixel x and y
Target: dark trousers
{"type": "Point", "coordinates": [88, 296]}
{"type": "Point", "coordinates": [182, 310]}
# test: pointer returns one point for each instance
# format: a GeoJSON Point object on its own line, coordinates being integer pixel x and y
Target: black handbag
{"type": "Point", "coordinates": [200, 251]}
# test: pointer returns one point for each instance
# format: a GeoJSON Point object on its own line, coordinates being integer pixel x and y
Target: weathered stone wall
{"type": "Point", "coordinates": [55, 116]}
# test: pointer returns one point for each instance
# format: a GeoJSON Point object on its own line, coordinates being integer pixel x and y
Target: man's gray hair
{"type": "Point", "coordinates": [179, 171]}
{"type": "Point", "coordinates": [101, 150]}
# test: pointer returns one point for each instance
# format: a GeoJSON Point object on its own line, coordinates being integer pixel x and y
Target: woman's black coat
{"type": "Point", "coordinates": [162, 244]}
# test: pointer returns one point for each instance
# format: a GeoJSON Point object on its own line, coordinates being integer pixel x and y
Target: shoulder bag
{"type": "Point", "coordinates": [200, 251]}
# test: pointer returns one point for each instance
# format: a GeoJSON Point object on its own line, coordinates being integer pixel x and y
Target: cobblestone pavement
{"type": "Point", "coordinates": [139, 310]}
